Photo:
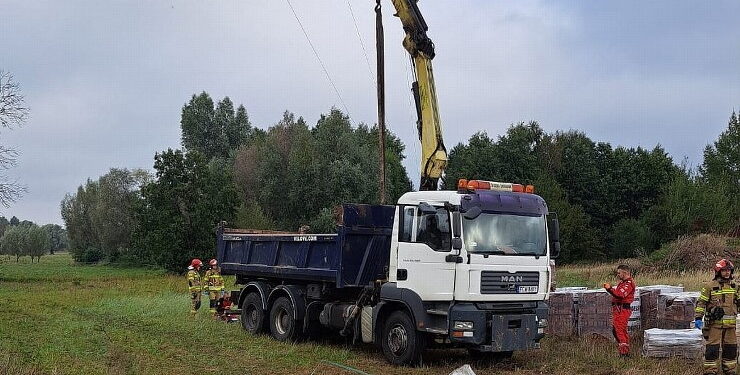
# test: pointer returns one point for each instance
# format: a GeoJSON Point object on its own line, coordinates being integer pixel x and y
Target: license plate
{"type": "Point", "coordinates": [527, 289]}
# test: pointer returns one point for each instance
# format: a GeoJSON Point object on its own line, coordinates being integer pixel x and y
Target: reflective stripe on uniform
{"type": "Point", "coordinates": [699, 309]}
{"type": "Point", "coordinates": [723, 291]}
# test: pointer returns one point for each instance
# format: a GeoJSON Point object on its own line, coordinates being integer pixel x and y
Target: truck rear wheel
{"type": "Point", "coordinates": [253, 317]}
{"type": "Point", "coordinates": [402, 343]}
{"type": "Point", "coordinates": [282, 324]}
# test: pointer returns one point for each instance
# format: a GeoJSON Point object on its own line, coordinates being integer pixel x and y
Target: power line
{"type": "Point", "coordinates": [318, 58]}
{"type": "Point", "coordinates": [362, 43]}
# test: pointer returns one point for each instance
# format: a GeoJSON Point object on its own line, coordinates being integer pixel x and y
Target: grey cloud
{"type": "Point", "coordinates": [106, 80]}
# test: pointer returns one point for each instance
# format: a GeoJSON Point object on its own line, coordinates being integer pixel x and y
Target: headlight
{"type": "Point", "coordinates": [462, 326]}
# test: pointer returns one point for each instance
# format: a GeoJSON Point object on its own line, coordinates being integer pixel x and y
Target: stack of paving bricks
{"type": "Point", "coordinates": [595, 314]}
{"type": "Point", "coordinates": [649, 303]}
{"type": "Point", "coordinates": [562, 318]}
{"type": "Point", "coordinates": [676, 310]}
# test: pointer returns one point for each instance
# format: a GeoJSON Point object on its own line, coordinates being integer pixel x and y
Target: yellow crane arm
{"type": "Point", "coordinates": [421, 49]}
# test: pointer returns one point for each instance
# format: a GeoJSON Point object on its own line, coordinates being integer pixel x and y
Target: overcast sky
{"type": "Point", "coordinates": [106, 80]}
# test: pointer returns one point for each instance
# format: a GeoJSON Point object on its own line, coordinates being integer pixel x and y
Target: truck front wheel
{"type": "Point", "coordinates": [282, 324]}
{"type": "Point", "coordinates": [253, 317]}
{"type": "Point", "coordinates": [402, 343]}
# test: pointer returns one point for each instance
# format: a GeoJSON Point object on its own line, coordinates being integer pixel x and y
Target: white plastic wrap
{"type": "Point", "coordinates": [662, 343]}
{"type": "Point", "coordinates": [463, 370]}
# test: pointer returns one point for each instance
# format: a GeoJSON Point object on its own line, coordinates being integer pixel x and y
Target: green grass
{"type": "Point", "coordinates": [60, 318]}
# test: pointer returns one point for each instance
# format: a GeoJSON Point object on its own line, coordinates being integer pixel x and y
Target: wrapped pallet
{"type": "Point", "coordinates": [562, 317]}
{"type": "Point", "coordinates": [664, 343]}
{"type": "Point", "coordinates": [649, 303]}
{"type": "Point", "coordinates": [676, 310]}
{"type": "Point", "coordinates": [595, 314]}
{"type": "Point", "coordinates": [634, 325]}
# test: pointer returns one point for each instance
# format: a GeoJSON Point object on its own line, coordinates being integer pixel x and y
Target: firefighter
{"type": "Point", "coordinates": [195, 285]}
{"type": "Point", "coordinates": [716, 310]}
{"type": "Point", "coordinates": [622, 296]}
{"type": "Point", "coordinates": [214, 285]}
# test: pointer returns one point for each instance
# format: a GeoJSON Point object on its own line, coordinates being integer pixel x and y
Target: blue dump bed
{"type": "Point", "coordinates": [353, 257]}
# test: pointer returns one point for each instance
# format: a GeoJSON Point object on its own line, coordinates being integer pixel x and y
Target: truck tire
{"type": "Point", "coordinates": [253, 317]}
{"type": "Point", "coordinates": [402, 343]}
{"type": "Point", "coordinates": [282, 324]}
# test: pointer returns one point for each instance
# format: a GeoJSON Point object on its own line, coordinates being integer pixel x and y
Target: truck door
{"type": "Point", "coordinates": [424, 241]}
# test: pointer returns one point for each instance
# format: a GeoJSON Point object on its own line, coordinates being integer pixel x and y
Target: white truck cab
{"type": "Point", "coordinates": [478, 260]}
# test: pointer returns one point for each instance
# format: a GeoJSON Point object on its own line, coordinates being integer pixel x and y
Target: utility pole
{"type": "Point", "coordinates": [381, 93]}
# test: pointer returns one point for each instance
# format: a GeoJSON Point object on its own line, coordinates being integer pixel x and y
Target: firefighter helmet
{"type": "Point", "coordinates": [724, 264]}
{"type": "Point", "coordinates": [213, 262]}
{"type": "Point", "coordinates": [196, 263]}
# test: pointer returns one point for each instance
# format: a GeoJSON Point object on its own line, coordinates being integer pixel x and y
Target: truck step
{"type": "Point", "coordinates": [437, 331]}
{"type": "Point", "coordinates": [437, 312]}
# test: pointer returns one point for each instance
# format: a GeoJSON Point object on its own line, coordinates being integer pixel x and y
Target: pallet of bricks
{"type": "Point", "coordinates": [563, 311]}
{"type": "Point", "coordinates": [595, 314]}
{"type": "Point", "coordinates": [667, 315]}
{"type": "Point", "coordinates": [676, 310]}
{"type": "Point", "coordinates": [649, 303]}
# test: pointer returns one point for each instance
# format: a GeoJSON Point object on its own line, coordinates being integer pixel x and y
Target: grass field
{"type": "Point", "coordinates": [60, 318]}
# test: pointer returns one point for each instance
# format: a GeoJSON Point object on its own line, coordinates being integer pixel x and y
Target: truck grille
{"type": "Point", "coordinates": [502, 282]}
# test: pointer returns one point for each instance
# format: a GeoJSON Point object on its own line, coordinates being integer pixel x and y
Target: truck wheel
{"type": "Point", "coordinates": [253, 317]}
{"type": "Point", "coordinates": [282, 324]}
{"type": "Point", "coordinates": [402, 343]}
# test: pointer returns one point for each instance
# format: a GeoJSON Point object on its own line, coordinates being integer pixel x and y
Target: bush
{"type": "Point", "coordinates": [89, 255]}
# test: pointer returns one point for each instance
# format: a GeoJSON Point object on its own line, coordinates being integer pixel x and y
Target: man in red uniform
{"type": "Point", "coordinates": [622, 296]}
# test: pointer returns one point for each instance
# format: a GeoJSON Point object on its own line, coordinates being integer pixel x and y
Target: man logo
{"type": "Point", "coordinates": [512, 279]}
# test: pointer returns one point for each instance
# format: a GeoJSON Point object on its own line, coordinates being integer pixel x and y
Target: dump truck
{"type": "Point", "coordinates": [466, 269]}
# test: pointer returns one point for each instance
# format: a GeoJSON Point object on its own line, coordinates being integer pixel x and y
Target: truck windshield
{"type": "Point", "coordinates": [505, 234]}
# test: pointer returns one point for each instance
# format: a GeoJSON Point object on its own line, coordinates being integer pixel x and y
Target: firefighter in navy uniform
{"type": "Point", "coordinates": [718, 306]}
{"type": "Point", "coordinates": [622, 296]}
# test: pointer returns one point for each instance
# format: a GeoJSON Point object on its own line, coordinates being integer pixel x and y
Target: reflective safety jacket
{"type": "Point", "coordinates": [195, 284]}
{"type": "Point", "coordinates": [214, 281]}
{"type": "Point", "coordinates": [719, 293]}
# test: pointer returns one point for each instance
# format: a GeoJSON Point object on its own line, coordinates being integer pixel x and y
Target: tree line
{"type": "Point", "coordinates": [612, 201]}
{"type": "Point", "coordinates": [25, 238]}
{"type": "Point", "coordinates": [288, 176]}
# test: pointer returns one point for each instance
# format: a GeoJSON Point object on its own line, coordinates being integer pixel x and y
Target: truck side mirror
{"type": "Point", "coordinates": [472, 213]}
{"type": "Point", "coordinates": [553, 234]}
{"type": "Point", "coordinates": [457, 243]}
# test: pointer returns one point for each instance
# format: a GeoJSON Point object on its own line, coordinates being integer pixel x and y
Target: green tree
{"type": "Point", "coordinates": [57, 237]}
{"type": "Point", "coordinates": [722, 164]}
{"type": "Point", "coordinates": [100, 217]}
{"type": "Point", "coordinates": [199, 129]}
{"type": "Point", "coordinates": [296, 174]}
{"type": "Point", "coordinates": [36, 242]}
{"type": "Point", "coordinates": [181, 208]}
{"type": "Point", "coordinates": [12, 242]}
{"type": "Point", "coordinates": [4, 224]}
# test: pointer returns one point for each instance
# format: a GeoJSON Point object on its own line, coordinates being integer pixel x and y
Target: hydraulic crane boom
{"type": "Point", "coordinates": [421, 49]}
